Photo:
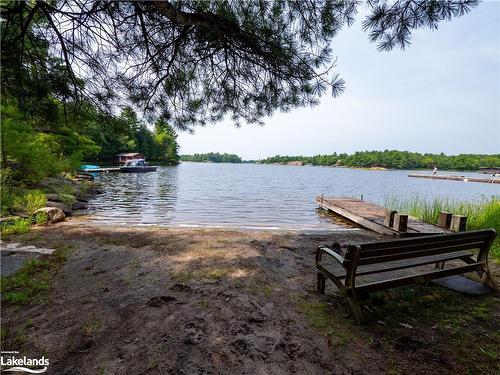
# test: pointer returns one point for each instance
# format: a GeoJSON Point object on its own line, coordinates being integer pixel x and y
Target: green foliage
{"type": "Point", "coordinates": [41, 218]}
{"type": "Point", "coordinates": [212, 157]}
{"type": "Point", "coordinates": [337, 330]}
{"type": "Point", "coordinates": [16, 227]}
{"type": "Point", "coordinates": [34, 200]}
{"type": "Point", "coordinates": [27, 156]}
{"type": "Point", "coordinates": [127, 133]}
{"type": "Point", "coordinates": [194, 62]}
{"type": "Point", "coordinates": [33, 278]}
{"type": "Point", "coordinates": [394, 159]}
{"type": "Point", "coordinates": [6, 185]}
{"type": "Point", "coordinates": [456, 317]}
{"type": "Point", "coordinates": [28, 201]}
{"type": "Point", "coordinates": [67, 199]}
{"type": "Point", "coordinates": [481, 214]}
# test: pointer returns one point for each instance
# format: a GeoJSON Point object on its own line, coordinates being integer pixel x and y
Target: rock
{"type": "Point", "coordinates": [21, 214]}
{"type": "Point", "coordinates": [296, 163]}
{"type": "Point", "coordinates": [95, 191]}
{"type": "Point", "coordinates": [64, 207]}
{"type": "Point", "coordinates": [63, 198]}
{"type": "Point", "coordinates": [53, 197]}
{"type": "Point", "coordinates": [54, 214]}
{"type": "Point", "coordinates": [79, 206]}
{"type": "Point", "coordinates": [82, 197]}
{"type": "Point", "coordinates": [7, 219]}
{"type": "Point", "coordinates": [81, 177]}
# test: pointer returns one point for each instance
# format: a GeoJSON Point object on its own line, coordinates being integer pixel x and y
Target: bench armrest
{"type": "Point", "coordinates": [323, 249]}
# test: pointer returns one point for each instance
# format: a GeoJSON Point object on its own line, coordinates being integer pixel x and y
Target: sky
{"type": "Point", "coordinates": [442, 94]}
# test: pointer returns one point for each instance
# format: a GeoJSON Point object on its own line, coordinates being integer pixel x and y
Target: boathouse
{"type": "Point", "coordinates": [125, 156]}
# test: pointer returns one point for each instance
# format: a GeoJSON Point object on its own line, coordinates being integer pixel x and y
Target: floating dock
{"type": "Point", "coordinates": [371, 216]}
{"type": "Point", "coordinates": [492, 180]}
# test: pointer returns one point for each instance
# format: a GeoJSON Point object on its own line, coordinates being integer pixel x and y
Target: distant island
{"type": "Point", "coordinates": [387, 159]}
{"type": "Point", "coordinates": [213, 157]}
{"type": "Point", "coordinates": [392, 159]}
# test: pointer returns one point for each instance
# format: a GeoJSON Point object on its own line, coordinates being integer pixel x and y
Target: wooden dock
{"type": "Point", "coordinates": [491, 180]}
{"type": "Point", "coordinates": [371, 216]}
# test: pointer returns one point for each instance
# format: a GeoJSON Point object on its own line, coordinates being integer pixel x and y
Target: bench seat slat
{"type": "Point", "coordinates": [480, 235]}
{"type": "Point", "coordinates": [418, 254]}
{"type": "Point", "coordinates": [428, 276]}
{"type": "Point", "coordinates": [408, 248]}
{"type": "Point", "coordinates": [340, 272]}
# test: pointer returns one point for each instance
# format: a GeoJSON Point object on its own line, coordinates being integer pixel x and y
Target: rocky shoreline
{"type": "Point", "coordinates": [64, 197]}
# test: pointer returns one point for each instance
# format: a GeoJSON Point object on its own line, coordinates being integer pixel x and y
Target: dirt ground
{"type": "Point", "coordinates": [182, 301]}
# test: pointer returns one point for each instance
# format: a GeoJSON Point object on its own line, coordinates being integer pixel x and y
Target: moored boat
{"type": "Point", "coordinates": [137, 166]}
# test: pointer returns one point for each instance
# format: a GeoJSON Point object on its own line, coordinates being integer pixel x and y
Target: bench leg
{"type": "Point", "coordinates": [487, 278]}
{"type": "Point", "coordinates": [321, 283]}
{"type": "Point", "coordinates": [355, 309]}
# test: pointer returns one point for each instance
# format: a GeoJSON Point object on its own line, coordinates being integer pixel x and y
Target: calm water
{"type": "Point", "coordinates": [256, 196]}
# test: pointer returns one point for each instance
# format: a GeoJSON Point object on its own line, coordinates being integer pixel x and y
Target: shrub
{"type": "Point", "coordinates": [41, 218]}
{"type": "Point", "coordinates": [35, 200]}
{"type": "Point", "coordinates": [67, 199]}
{"type": "Point", "coordinates": [16, 227]}
{"type": "Point", "coordinates": [5, 190]}
{"type": "Point", "coordinates": [28, 201]}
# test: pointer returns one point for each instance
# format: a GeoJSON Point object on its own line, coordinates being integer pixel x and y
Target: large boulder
{"type": "Point", "coordinates": [54, 214]}
{"type": "Point", "coordinates": [64, 207]}
{"type": "Point", "coordinates": [79, 205]}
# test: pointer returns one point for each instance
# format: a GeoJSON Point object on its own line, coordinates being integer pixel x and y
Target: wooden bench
{"type": "Point", "coordinates": [380, 257]}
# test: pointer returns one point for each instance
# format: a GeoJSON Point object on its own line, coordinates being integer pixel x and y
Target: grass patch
{"type": "Point", "coordinates": [41, 218]}
{"type": "Point", "coordinates": [466, 325]}
{"type": "Point", "coordinates": [19, 226]}
{"type": "Point", "coordinates": [67, 199]}
{"type": "Point", "coordinates": [183, 277]}
{"type": "Point", "coordinates": [262, 289]}
{"type": "Point", "coordinates": [33, 279]}
{"type": "Point", "coordinates": [215, 273]}
{"type": "Point", "coordinates": [64, 189]}
{"type": "Point", "coordinates": [338, 330]}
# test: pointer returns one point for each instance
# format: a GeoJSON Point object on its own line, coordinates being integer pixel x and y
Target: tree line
{"type": "Point", "coordinates": [47, 131]}
{"type": "Point", "coordinates": [213, 157]}
{"type": "Point", "coordinates": [393, 159]}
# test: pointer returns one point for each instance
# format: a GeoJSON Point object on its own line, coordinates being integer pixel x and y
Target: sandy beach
{"type": "Point", "coordinates": [155, 300]}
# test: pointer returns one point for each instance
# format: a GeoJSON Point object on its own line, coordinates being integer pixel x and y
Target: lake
{"type": "Point", "coordinates": [255, 196]}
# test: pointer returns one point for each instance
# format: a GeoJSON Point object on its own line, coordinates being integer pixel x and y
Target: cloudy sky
{"type": "Point", "coordinates": [442, 94]}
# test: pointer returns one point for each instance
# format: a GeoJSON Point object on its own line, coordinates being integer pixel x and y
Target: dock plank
{"type": "Point", "coordinates": [371, 216]}
{"type": "Point", "coordinates": [456, 178]}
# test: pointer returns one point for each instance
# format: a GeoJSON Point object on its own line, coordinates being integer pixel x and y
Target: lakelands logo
{"type": "Point", "coordinates": [11, 363]}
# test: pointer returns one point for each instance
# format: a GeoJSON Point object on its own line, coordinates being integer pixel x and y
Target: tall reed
{"type": "Point", "coordinates": [481, 214]}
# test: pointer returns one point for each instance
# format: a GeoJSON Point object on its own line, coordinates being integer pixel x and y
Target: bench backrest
{"type": "Point", "coordinates": [379, 252]}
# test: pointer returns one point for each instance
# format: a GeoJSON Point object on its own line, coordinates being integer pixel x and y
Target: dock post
{"type": "Point", "coordinates": [444, 219]}
{"type": "Point", "coordinates": [389, 217]}
{"type": "Point", "coordinates": [400, 222]}
{"type": "Point", "coordinates": [458, 223]}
